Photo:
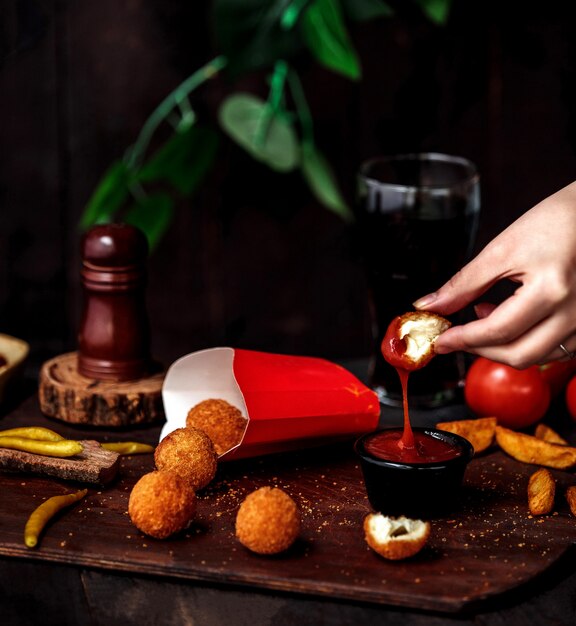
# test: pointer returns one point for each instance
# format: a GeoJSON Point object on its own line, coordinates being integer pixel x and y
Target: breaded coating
{"type": "Point", "coordinates": [190, 453]}
{"type": "Point", "coordinates": [221, 421]}
{"type": "Point", "coordinates": [161, 504]}
{"type": "Point", "coordinates": [268, 521]}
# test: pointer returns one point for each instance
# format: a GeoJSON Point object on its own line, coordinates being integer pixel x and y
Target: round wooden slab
{"type": "Point", "coordinates": [68, 396]}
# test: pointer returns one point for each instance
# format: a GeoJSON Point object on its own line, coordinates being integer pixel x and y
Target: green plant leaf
{"type": "Point", "coordinates": [436, 10]}
{"type": "Point", "coordinates": [183, 160]}
{"type": "Point", "coordinates": [152, 214]}
{"type": "Point", "coordinates": [363, 10]}
{"type": "Point", "coordinates": [108, 197]}
{"type": "Point", "coordinates": [250, 34]}
{"type": "Point", "coordinates": [322, 182]}
{"type": "Point", "coordinates": [325, 34]}
{"type": "Point", "coordinates": [267, 136]}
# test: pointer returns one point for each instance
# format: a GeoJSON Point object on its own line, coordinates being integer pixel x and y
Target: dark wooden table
{"type": "Point", "coordinates": [489, 563]}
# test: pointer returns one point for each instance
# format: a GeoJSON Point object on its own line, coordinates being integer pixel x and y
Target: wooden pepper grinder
{"type": "Point", "coordinates": [111, 380]}
{"type": "Point", "coordinates": [114, 336]}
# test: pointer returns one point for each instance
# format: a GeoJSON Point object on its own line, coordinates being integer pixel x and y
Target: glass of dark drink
{"type": "Point", "coordinates": [417, 216]}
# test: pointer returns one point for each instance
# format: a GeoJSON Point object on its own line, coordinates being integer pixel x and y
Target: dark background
{"type": "Point", "coordinates": [252, 261]}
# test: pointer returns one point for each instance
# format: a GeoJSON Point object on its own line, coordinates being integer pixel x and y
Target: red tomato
{"type": "Point", "coordinates": [571, 397]}
{"type": "Point", "coordinates": [557, 374]}
{"type": "Point", "coordinates": [518, 398]}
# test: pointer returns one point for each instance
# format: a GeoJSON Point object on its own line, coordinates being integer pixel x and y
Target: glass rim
{"type": "Point", "coordinates": [473, 176]}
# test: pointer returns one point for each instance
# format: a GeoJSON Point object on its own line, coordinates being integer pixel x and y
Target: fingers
{"type": "Point", "coordinates": [529, 326]}
{"type": "Point", "coordinates": [528, 351]}
{"type": "Point", "coordinates": [514, 335]}
{"type": "Point", "coordinates": [563, 352]}
{"type": "Point", "coordinates": [498, 325]}
{"type": "Point", "coordinates": [540, 344]}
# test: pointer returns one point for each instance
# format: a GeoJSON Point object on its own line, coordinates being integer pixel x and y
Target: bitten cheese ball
{"type": "Point", "coordinates": [395, 538]}
{"type": "Point", "coordinates": [161, 504]}
{"type": "Point", "coordinates": [409, 339]}
{"type": "Point", "coordinates": [221, 421]}
{"type": "Point", "coordinates": [190, 453]}
{"type": "Point", "coordinates": [268, 521]}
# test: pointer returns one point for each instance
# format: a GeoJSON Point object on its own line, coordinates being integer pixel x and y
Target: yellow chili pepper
{"type": "Point", "coordinates": [128, 447]}
{"type": "Point", "coordinates": [45, 512]}
{"type": "Point", "coordinates": [32, 432]}
{"type": "Point", "coordinates": [63, 448]}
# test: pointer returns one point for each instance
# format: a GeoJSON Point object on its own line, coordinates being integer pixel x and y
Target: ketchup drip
{"type": "Point", "coordinates": [407, 440]}
{"type": "Point", "coordinates": [410, 447]}
{"type": "Point", "coordinates": [393, 350]}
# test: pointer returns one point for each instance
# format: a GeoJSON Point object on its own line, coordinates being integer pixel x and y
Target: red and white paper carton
{"type": "Point", "coordinates": [290, 402]}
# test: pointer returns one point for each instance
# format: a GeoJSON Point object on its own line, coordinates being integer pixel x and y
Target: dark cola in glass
{"type": "Point", "coordinates": [417, 216]}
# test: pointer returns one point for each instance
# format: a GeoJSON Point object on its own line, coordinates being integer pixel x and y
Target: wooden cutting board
{"type": "Point", "coordinates": [489, 547]}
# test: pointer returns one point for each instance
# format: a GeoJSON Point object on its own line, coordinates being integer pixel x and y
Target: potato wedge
{"type": "Point", "coordinates": [541, 492]}
{"type": "Point", "coordinates": [548, 434]}
{"type": "Point", "coordinates": [479, 431]}
{"type": "Point", "coordinates": [529, 449]}
{"type": "Point", "coordinates": [571, 499]}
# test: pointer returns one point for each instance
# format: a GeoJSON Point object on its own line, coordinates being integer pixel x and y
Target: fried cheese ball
{"type": "Point", "coordinates": [161, 504]}
{"type": "Point", "coordinates": [190, 453]}
{"type": "Point", "coordinates": [268, 521]}
{"type": "Point", "coordinates": [221, 421]}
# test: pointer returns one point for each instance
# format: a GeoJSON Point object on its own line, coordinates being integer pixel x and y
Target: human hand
{"type": "Point", "coordinates": [537, 251]}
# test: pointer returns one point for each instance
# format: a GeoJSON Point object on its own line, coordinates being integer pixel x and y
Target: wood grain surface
{"type": "Point", "coordinates": [66, 395]}
{"type": "Point", "coordinates": [487, 548]}
{"type": "Point", "coordinates": [93, 465]}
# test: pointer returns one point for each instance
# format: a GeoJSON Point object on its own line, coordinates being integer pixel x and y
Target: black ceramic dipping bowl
{"type": "Point", "coordinates": [420, 490]}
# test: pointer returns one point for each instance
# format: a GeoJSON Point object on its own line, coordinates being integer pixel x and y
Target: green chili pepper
{"type": "Point", "coordinates": [62, 448]}
{"type": "Point", "coordinates": [45, 512]}
{"type": "Point", "coordinates": [32, 432]}
{"type": "Point", "coordinates": [128, 447]}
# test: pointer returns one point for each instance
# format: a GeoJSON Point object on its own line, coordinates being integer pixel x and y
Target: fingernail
{"type": "Point", "coordinates": [425, 301]}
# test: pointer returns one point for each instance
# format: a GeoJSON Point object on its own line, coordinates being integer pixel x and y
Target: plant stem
{"type": "Point", "coordinates": [277, 85]}
{"type": "Point", "coordinates": [302, 109]}
{"type": "Point", "coordinates": [174, 99]}
{"type": "Point", "coordinates": [273, 104]}
{"type": "Point", "coordinates": [291, 14]}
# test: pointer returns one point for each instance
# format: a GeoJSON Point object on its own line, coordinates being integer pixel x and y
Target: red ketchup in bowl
{"type": "Point", "coordinates": [387, 445]}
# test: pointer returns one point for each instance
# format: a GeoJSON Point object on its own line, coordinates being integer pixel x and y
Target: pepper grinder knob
{"type": "Point", "coordinates": [114, 335]}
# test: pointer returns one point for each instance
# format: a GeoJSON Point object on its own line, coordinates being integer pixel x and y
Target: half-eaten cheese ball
{"type": "Point", "coordinates": [268, 521]}
{"type": "Point", "coordinates": [190, 453]}
{"type": "Point", "coordinates": [409, 339]}
{"type": "Point", "coordinates": [161, 504]}
{"type": "Point", "coordinates": [395, 538]}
